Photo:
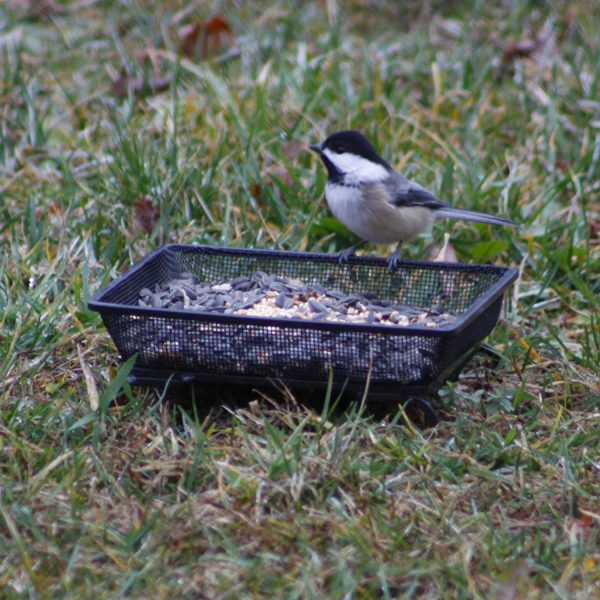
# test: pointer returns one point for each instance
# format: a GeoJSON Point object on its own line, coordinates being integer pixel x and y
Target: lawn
{"type": "Point", "coordinates": [128, 125]}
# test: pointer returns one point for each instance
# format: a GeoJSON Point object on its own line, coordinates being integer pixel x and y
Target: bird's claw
{"type": "Point", "coordinates": [345, 255]}
{"type": "Point", "coordinates": [394, 261]}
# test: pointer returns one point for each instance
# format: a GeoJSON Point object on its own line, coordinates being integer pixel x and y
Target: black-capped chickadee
{"type": "Point", "coordinates": [376, 202]}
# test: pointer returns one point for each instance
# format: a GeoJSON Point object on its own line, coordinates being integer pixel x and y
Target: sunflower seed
{"type": "Point", "coordinates": [284, 301]}
{"type": "Point", "coordinates": [316, 306]}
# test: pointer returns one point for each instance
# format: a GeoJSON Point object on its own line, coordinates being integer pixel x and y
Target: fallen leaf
{"type": "Point", "coordinates": [215, 28]}
{"type": "Point", "coordinates": [255, 190]}
{"type": "Point", "coordinates": [520, 49]}
{"type": "Point", "coordinates": [580, 528]}
{"type": "Point", "coordinates": [567, 316]}
{"type": "Point", "coordinates": [55, 209]}
{"type": "Point", "coordinates": [446, 253]}
{"type": "Point", "coordinates": [215, 34]}
{"type": "Point", "coordinates": [535, 48]}
{"type": "Point", "coordinates": [139, 86]}
{"type": "Point", "coordinates": [147, 213]}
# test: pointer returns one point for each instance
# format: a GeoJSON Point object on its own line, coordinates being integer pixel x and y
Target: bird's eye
{"type": "Point", "coordinates": [339, 149]}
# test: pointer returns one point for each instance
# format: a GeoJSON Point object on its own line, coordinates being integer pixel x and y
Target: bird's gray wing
{"type": "Point", "coordinates": [404, 192]}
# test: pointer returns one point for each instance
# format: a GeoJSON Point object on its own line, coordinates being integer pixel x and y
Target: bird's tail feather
{"type": "Point", "coordinates": [472, 215]}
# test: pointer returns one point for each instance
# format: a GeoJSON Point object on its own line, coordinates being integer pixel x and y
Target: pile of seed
{"type": "Point", "coordinates": [262, 349]}
{"type": "Point", "coordinates": [264, 295]}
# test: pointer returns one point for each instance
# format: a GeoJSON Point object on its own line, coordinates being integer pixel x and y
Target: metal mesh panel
{"type": "Point", "coordinates": [234, 346]}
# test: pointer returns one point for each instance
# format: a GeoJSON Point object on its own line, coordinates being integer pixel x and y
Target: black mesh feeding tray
{"type": "Point", "coordinates": [186, 346]}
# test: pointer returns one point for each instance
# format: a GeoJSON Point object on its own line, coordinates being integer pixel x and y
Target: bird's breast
{"type": "Point", "coordinates": [365, 211]}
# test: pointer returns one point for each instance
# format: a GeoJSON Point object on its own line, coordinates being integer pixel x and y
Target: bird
{"type": "Point", "coordinates": [376, 202]}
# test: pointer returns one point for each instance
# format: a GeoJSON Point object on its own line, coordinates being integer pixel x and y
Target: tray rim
{"type": "Point", "coordinates": [508, 276]}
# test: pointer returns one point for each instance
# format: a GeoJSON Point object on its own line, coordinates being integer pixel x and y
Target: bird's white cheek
{"type": "Point", "coordinates": [356, 169]}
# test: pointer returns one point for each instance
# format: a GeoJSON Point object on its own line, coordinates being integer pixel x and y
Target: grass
{"type": "Point", "coordinates": [107, 491]}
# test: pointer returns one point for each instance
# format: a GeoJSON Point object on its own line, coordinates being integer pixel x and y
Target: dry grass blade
{"type": "Point", "coordinates": [90, 382]}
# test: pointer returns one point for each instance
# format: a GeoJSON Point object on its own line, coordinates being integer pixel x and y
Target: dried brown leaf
{"type": "Point", "coordinates": [255, 190]}
{"type": "Point", "coordinates": [445, 253]}
{"type": "Point", "coordinates": [217, 25]}
{"type": "Point", "coordinates": [216, 29]}
{"type": "Point", "coordinates": [147, 213]}
{"type": "Point", "coordinates": [215, 34]}
{"type": "Point", "coordinates": [520, 49]}
{"type": "Point", "coordinates": [528, 47]}
{"type": "Point", "coordinates": [138, 85]}
{"type": "Point", "coordinates": [580, 528]}
{"type": "Point", "coordinates": [55, 209]}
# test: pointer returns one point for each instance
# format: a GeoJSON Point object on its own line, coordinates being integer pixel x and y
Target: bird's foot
{"type": "Point", "coordinates": [346, 254]}
{"type": "Point", "coordinates": [394, 261]}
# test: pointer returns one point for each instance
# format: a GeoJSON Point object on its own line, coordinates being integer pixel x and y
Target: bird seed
{"type": "Point", "coordinates": [263, 295]}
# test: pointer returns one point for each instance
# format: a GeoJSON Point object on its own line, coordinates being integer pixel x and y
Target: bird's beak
{"type": "Point", "coordinates": [316, 148]}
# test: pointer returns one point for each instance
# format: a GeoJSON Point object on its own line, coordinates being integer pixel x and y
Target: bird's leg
{"type": "Point", "coordinates": [344, 255]}
{"type": "Point", "coordinates": [394, 258]}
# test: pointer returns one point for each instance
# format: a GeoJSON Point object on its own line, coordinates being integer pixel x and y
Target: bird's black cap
{"type": "Point", "coordinates": [353, 142]}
